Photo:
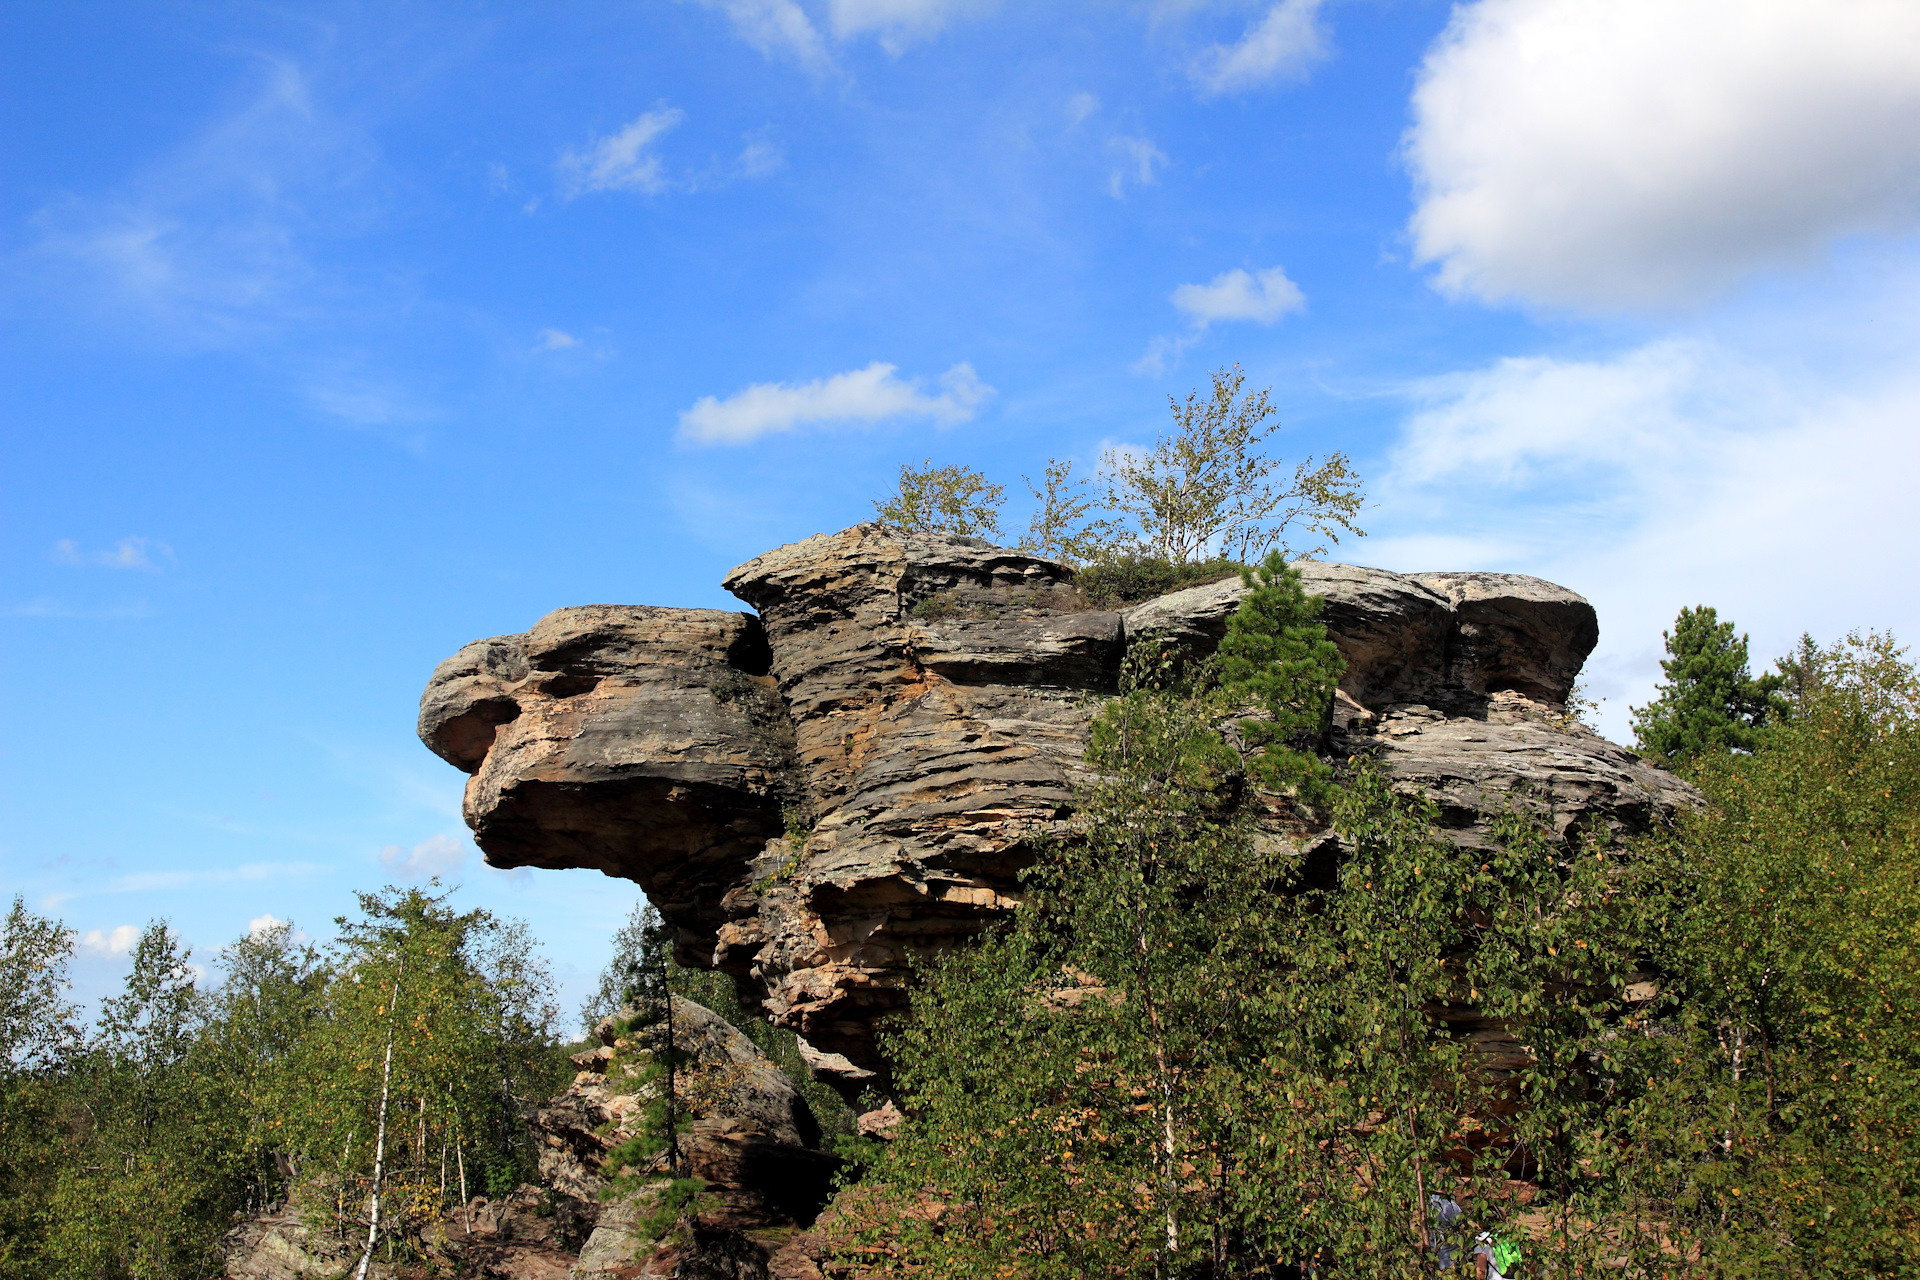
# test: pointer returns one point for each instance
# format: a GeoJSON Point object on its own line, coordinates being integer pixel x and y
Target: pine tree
{"type": "Point", "coordinates": [1710, 702]}
{"type": "Point", "coordinates": [1276, 654]}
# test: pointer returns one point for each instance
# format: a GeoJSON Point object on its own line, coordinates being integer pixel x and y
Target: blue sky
{"type": "Point", "coordinates": [336, 336]}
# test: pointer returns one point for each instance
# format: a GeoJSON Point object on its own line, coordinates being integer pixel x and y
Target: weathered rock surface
{"type": "Point", "coordinates": [917, 707]}
{"type": "Point", "coordinates": [647, 743]}
{"type": "Point", "coordinates": [525, 1236]}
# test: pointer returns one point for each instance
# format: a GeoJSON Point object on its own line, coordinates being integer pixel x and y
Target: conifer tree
{"type": "Point", "coordinates": [1276, 653]}
{"type": "Point", "coordinates": [1710, 703]}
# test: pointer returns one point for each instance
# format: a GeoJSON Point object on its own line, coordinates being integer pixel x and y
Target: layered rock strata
{"type": "Point", "coordinates": [856, 772]}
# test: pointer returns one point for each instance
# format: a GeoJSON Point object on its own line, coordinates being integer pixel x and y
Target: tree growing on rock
{"type": "Point", "coordinates": [1208, 487]}
{"type": "Point", "coordinates": [950, 499]}
{"type": "Point", "coordinates": [1710, 702]}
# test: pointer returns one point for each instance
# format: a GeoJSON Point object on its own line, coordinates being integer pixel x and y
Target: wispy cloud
{"type": "Point", "coordinates": [1140, 161]}
{"type": "Point", "coordinates": [777, 29]}
{"type": "Point", "coordinates": [623, 161]}
{"type": "Point", "coordinates": [252, 872]}
{"type": "Point", "coordinates": [555, 340]}
{"type": "Point", "coordinates": [760, 157]}
{"type": "Point", "coordinates": [49, 607]}
{"type": "Point", "coordinates": [128, 553]}
{"type": "Point", "coordinates": [437, 855]}
{"type": "Point", "coordinates": [1680, 472]}
{"type": "Point", "coordinates": [783, 29]}
{"type": "Point", "coordinates": [1283, 44]}
{"type": "Point", "coordinates": [896, 23]}
{"type": "Point", "coordinates": [872, 394]}
{"type": "Point", "coordinates": [212, 245]}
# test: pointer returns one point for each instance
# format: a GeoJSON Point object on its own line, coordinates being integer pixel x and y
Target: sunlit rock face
{"type": "Point", "coordinates": [856, 772]}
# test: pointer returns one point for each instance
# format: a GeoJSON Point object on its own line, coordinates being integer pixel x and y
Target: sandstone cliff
{"type": "Point", "coordinates": [813, 791]}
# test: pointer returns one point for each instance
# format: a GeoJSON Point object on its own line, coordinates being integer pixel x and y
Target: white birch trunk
{"type": "Point", "coordinates": [380, 1132]}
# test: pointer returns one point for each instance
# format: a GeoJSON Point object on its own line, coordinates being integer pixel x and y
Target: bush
{"type": "Point", "coordinates": [1120, 580]}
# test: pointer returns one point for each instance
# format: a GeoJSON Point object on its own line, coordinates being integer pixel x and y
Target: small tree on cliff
{"type": "Point", "coordinates": [649, 993]}
{"type": "Point", "coordinates": [1710, 702]}
{"type": "Point", "coordinates": [1208, 487]}
{"type": "Point", "coordinates": [1276, 654]}
{"type": "Point", "coordinates": [949, 499]}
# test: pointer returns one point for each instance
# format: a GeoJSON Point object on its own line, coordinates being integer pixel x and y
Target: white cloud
{"type": "Point", "coordinates": [1282, 45]}
{"type": "Point", "coordinates": [117, 941]}
{"type": "Point", "coordinates": [896, 23]}
{"type": "Point", "coordinates": [623, 161]}
{"type": "Point", "coordinates": [555, 340]}
{"type": "Point", "coordinates": [872, 394]}
{"type": "Point", "coordinates": [128, 553]}
{"type": "Point", "coordinates": [776, 28]}
{"type": "Point", "coordinates": [1141, 158]}
{"type": "Point", "coordinates": [435, 856]}
{"type": "Point", "coordinates": [1262, 297]}
{"type": "Point", "coordinates": [1682, 472]}
{"type": "Point", "coordinates": [1079, 107]}
{"type": "Point", "coordinates": [1651, 153]}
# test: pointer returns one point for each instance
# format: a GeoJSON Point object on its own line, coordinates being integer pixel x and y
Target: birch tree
{"type": "Point", "coordinates": [1209, 488]}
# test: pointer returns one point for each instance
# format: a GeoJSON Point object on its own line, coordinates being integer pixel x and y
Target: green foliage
{"type": "Point", "coordinates": [38, 1037]}
{"type": "Point", "coordinates": [1207, 488]}
{"type": "Point", "coordinates": [1780, 1124]}
{"type": "Point", "coordinates": [468, 1007]}
{"type": "Point", "coordinates": [1276, 654]}
{"type": "Point", "coordinates": [145, 1193]}
{"type": "Point", "coordinates": [1206, 492]}
{"type": "Point", "coordinates": [672, 1202]}
{"type": "Point", "coordinates": [949, 499]}
{"type": "Point", "coordinates": [1128, 579]}
{"type": "Point", "coordinates": [1064, 525]}
{"type": "Point", "coordinates": [1710, 703]}
{"type": "Point", "coordinates": [716, 991]}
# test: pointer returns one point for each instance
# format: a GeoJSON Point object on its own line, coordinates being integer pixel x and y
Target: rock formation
{"type": "Point", "coordinates": [813, 792]}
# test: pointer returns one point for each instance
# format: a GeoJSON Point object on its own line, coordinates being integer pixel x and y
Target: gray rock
{"type": "Point", "coordinates": [1515, 632]}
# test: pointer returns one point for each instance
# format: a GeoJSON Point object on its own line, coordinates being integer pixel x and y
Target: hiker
{"type": "Point", "coordinates": [1495, 1257]}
